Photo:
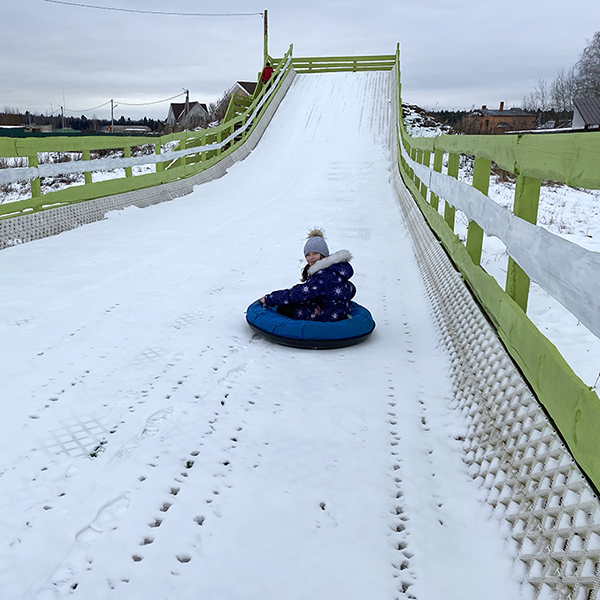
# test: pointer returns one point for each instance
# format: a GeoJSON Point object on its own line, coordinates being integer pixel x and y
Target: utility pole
{"type": "Point", "coordinates": [112, 116]}
{"type": "Point", "coordinates": [266, 35]}
{"type": "Point", "coordinates": [62, 114]}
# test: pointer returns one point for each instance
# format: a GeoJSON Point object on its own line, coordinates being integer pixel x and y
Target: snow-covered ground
{"type": "Point", "coordinates": [571, 213]}
{"type": "Point", "coordinates": [153, 447]}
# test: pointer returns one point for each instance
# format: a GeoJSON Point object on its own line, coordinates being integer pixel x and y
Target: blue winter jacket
{"type": "Point", "coordinates": [326, 294]}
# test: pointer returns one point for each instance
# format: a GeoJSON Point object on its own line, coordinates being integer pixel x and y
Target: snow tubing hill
{"type": "Point", "coordinates": [280, 329]}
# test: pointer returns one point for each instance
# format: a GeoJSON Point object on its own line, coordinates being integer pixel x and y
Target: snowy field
{"type": "Point", "coordinates": [153, 447]}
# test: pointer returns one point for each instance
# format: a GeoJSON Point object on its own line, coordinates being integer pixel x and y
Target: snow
{"type": "Point", "coordinates": [564, 269]}
{"type": "Point", "coordinates": [153, 447]}
{"type": "Point", "coordinates": [571, 213]}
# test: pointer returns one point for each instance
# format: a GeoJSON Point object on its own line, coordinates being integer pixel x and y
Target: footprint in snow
{"type": "Point", "coordinates": [155, 421]}
{"type": "Point", "coordinates": [107, 518]}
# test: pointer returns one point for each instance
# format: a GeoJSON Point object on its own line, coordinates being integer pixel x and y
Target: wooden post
{"type": "Point", "coordinates": [425, 160]}
{"type": "Point", "coordinates": [127, 154]}
{"type": "Point", "coordinates": [449, 211]}
{"type": "Point", "coordinates": [87, 175]}
{"type": "Point", "coordinates": [527, 199]}
{"type": "Point", "coordinates": [481, 182]}
{"type": "Point", "coordinates": [419, 159]}
{"type": "Point", "coordinates": [266, 36]}
{"type": "Point", "coordinates": [160, 166]}
{"type": "Point", "coordinates": [202, 143]}
{"type": "Point", "coordinates": [413, 155]}
{"type": "Point", "coordinates": [180, 161]}
{"type": "Point", "coordinates": [438, 156]}
{"type": "Point", "coordinates": [219, 140]}
{"type": "Point", "coordinates": [36, 186]}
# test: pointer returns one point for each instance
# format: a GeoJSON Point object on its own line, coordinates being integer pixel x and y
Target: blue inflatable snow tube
{"type": "Point", "coordinates": [317, 335]}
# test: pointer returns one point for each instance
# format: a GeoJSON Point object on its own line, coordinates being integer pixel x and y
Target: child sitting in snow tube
{"type": "Point", "coordinates": [326, 290]}
{"type": "Point", "coordinates": [317, 313]}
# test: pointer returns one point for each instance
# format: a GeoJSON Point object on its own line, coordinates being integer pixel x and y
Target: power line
{"type": "Point", "coordinates": [147, 103]}
{"type": "Point", "coordinates": [119, 102]}
{"type": "Point", "coordinates": [156, 12]}
{"type": "Point", "coordinates": [87, 109]}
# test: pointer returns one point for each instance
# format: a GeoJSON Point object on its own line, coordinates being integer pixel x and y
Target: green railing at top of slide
{"type": "Point", "coordinates": [570, 158]}
{"type": "Point", "coordinates": [331, 64]}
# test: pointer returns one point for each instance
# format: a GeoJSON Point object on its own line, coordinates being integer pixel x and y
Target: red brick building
{"type": "Point", "coordinates": [487, 121]}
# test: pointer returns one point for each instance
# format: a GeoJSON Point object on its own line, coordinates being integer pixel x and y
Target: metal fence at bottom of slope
{"type": "Point", "coordinates": [549, 511]}
{"type": "Point", "coordinates": [53, 221]}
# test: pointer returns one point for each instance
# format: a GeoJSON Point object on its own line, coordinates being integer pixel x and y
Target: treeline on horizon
{"type": "Point", "coordinates": [81, 123]}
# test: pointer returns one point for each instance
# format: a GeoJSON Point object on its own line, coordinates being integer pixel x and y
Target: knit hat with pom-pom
{"type": "Point", "coordinates": [316, 243]}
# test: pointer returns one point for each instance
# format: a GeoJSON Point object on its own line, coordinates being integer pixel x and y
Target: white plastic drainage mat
{"type": "Point", "coordinates": [528, 477]}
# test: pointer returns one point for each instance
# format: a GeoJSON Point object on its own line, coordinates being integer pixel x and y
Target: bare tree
{"type": "Point", "coordinates": [581, 80]}
{"type": "Point", "coordinates": [587, 69]}
{"type": "Point", "coordinates": [217, 110]}
{"type": "Point", "coordinates": [529, 102]}
{"type": "Point", "coordinates": [562, 90]}
{"type": "Point", "coordinates": [540, 98]}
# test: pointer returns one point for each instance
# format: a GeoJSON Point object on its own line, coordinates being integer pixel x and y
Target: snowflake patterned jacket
{"type": "Point", "coordinates": [326, 294]}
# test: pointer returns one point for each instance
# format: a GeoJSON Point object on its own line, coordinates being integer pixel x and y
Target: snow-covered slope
{"type": "Point", "coordinates": [153, 447]}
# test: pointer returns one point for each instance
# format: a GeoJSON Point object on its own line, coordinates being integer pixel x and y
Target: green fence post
{"type": "Point", "coordinates": [450, 211]}
{"type": "Point", "coordinates": [425, 160]}
{"type": "Point", "coordinates": [160, 166]}
{"type": "Point", "coordinates": [481, 182]}
{"type": "Point", "coordinates": [127, 154]}
{"type": "Point", "coordinates": [438, 156]}
{"type": "Point", "coordinates": [87, 175]}
{"type": "Point", "coordinates": [419, 159]}
{"type": "Point", "coordinates": [413, 153]}
{"type": "Point", "coordinates": [219, 140]}
{"type": "Point", "coordinates": [202, 140]}
{"type": "Point", "coordinates": [527, 199]}
{"type": "Point", "coordinates": [36, 186]}
{"type": "Point", "coordinates": [180, 161]}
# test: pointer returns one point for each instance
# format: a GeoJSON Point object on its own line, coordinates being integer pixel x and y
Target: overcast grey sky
{"type": "Point", "coordinates": [455, 53]}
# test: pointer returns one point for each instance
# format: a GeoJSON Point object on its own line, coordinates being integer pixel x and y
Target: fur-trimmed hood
{"type": "Point", "coordinates": [328, 261]}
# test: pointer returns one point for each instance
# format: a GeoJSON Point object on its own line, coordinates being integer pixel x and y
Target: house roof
{"type": "Point", "coordinates": [510, 112]}
{"type": "Point", "coordinates": [179, 107]}
{"type": "Point", "coordinates": [249, 86]}
{"type": "Point", "coordinates": [589, 109]}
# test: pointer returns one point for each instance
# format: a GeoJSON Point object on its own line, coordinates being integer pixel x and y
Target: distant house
{"type": "Point", "coordinates": [243, 88]}
{"type": "Point", "coordinates": [487, 121]}
{"type": "Point", "coordinates": [11, 119]}
{"type": "Point", "coordinates": [126, 129]}
{"type": "Point", "coordinates": [194, 115]}
{"type": "Point", "coordinates": [586, 113]}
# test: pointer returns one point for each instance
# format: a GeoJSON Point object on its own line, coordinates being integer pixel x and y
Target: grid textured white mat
{"type": "Point", "coordinates": [528, 477]}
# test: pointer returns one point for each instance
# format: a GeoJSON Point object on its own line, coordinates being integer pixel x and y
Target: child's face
{"type": "Point", "coordinates": [313, 257]}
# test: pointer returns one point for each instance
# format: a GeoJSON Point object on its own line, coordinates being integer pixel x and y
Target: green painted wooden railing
{"type": "Point", "coordinates": [329, 64]}
{"type": "Point", "coordinates": [570, 158]}
{"type": "Point", "coordinates": [182, 167]}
